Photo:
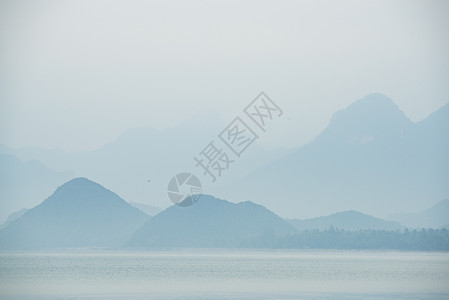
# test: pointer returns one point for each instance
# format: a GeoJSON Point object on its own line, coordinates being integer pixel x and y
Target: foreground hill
{"type": "Point", "coordinates": [211, 222]}
{"type": "Point", "coordinates": [80, 213]}
{"type": "Point", "coordinates": [346, 220]}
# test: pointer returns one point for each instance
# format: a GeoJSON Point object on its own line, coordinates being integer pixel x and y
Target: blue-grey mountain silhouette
{"type": "Point", "coordinates": [370, 158]}
{"type": "Point", "coordinates": [436, 216]}
{"type": "Point", "coordinates": [146, 208]}
{"type": "Point", "coordinates": [211, 222]}
{"type": "Point", "coordinates": [80, 213]}
{"type": "Point", "coordinates": [347, 220]}
{"type": "Point", "coordinates": [14, 216]}
{"type": "Point", "coordinates": [26, 183]}
{"type": "Point", "coordinates": [146, 153]}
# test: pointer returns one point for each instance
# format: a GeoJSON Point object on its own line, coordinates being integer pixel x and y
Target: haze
{"type": "Point", "coordinates": [74, 75]}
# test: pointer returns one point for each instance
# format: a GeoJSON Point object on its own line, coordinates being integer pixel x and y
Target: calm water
{"type": "Point", "coordinates": [224, 274]}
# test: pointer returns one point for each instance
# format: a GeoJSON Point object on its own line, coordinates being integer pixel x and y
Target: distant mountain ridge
{"type": "Point", "coordinates": [376, 116]}
{"type": "Point", "coordinates": [80, 213]}
{"type": "Point", "coordinates": [148, 157]}
{"type": "Point", "coordinates": [370, 158]}
{"type": "Point", "coordinates": [367, 159]}
{"type": "Point", "coordinates": [146, 208]}
{"type": "Point", "coordinates": [24, 182]}
{"type": "Point", "coordinates": [436, 216]}
{"type": "Point", "coordinates": [14, 216]}
{"type": "Point", "coordinates": [347, 220]}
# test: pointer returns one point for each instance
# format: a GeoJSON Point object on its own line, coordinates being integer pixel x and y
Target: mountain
{"type": "Point", "coordinates": [347, 220]}
{"type": "Point", "coordinates": [141, 161]}
{"type": "Point", "coordinates": [370, 158]}
{"type": "Point", "coordinates": [146, 208]}
{"type": "Point", "coordinates": [15, 215]}
{"type": "Point", "coordinates": [436, 216]}
{"type": "Point", "coordinates": [80, 213]}
{"type": "Point", "coordinates": [211, 222]}
{"type": "Point", "coordinates": [23, 183]}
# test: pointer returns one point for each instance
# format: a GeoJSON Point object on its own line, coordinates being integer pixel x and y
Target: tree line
{"type": "Point", "coordinates": [334, 238]}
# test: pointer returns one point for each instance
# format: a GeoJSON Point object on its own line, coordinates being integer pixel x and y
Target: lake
{"type": "Point", "coordinates": [224, 274]}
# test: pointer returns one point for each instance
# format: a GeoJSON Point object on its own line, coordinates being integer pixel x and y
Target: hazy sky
{"type": "Point", "coordinates": [75, 74]}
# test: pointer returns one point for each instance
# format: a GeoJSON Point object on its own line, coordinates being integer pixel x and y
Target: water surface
{"type": "Point", "coordinates": [224, 274]}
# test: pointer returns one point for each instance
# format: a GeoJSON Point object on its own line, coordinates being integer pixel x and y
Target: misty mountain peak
{"type": "Point", "coordinates": [79, 184]}
{"type": "Point", "coordinates": [374, 117]}
{"type": "Point", "coordinates": [75, 182]}
{"type": "Point", "coordinates": [211, 222]}
{"type": "Point", "coordinates": [82, 190]}
{"type": "Point", "coordinates": [80, 213]}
